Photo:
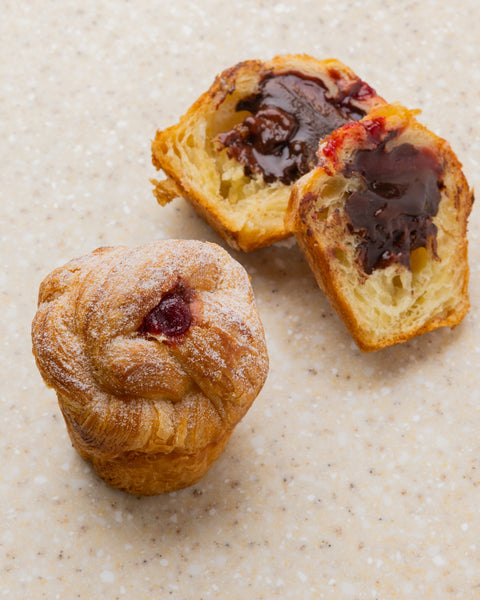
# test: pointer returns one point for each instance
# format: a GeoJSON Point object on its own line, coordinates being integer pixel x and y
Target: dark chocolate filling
{"type": "Point", "coordinates": [291, 112]}
{"type": "Point", "coordinates": [393, 213]}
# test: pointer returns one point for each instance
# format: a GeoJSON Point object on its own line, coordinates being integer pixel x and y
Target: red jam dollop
{"type": "Point", "coordinates": [171, 316]}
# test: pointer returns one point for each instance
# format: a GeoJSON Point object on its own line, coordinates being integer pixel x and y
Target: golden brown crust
{"type": "Point", "coordinates": [151, 412]}
{"type": "Point", "coordinates": [247, 212]}
{"type": "Point", "coordinates": [392, 304]}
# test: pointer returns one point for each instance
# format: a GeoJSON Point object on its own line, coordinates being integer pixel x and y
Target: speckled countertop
{"type": "Point", "coordinates": [353, 476]}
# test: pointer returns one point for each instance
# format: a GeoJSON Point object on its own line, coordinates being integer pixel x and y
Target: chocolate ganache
{"type": "Point", "coordinates": [291, 112]}
{"type": "Point", "coordinates": [393, 213]}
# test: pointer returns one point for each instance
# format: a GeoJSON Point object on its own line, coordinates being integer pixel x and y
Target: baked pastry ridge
{"type": "Point", "coordinates": [237, 151]}
{"type": "Point", "coordinates": [382, 221]}
{"type": "Point", "coordinates": [155, 353]}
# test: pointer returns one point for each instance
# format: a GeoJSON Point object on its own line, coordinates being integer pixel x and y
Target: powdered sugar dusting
{"type": "Point", "coordinates": [123, 389]}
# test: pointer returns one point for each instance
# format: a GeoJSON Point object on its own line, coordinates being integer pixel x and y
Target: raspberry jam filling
{"type": "Point", "coordinates": [291, 112]}
{"type": "Point", "coordinates": [171, 317]}
{"type": "Point", "coordinates": [393, 213]}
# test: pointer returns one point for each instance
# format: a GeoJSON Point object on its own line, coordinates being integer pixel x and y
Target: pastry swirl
{"type": "Point", "coordinates": [151, 409]}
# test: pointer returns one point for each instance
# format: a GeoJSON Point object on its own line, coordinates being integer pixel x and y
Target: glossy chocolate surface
{"type": "Point", "coordinates": [393, 213]}
{"type": "Point", "coordinates": [290, 114]}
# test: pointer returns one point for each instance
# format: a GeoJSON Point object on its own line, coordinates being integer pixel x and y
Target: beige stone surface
{"type": "Point", "coordinates": [353, 476]}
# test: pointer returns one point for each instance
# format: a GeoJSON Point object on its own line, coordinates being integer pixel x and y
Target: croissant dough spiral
{"type": "Point", "coordinates": [150, 412]}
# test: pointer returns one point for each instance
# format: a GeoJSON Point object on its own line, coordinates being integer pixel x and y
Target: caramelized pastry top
{"type": "Point", "coordinates": [151, 349]}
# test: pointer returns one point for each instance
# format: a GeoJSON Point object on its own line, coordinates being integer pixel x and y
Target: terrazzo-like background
{"type": "Point", "coordinates": [353, 476]}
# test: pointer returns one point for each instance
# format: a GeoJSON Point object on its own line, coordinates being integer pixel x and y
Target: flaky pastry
{"type": "Point", "coordinates": [237, 151]}
{"type": "Point", "coordinates": [155, 354]}
{"type": "Point", "coordinates": [382, 221]}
